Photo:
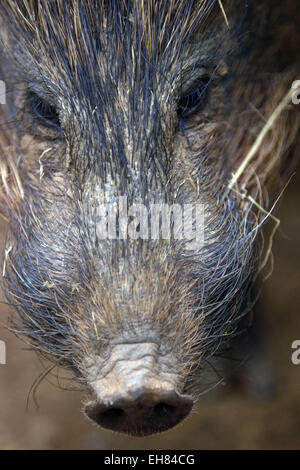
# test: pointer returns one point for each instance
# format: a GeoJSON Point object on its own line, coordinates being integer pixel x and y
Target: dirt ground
{"type": "Point", "coordinates": [228, 418]}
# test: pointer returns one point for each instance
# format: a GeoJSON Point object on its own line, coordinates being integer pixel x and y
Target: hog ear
{"type": "Point", "coordinates": [269, 131]}
{"type": "Point", "coordinates": [11, 187]}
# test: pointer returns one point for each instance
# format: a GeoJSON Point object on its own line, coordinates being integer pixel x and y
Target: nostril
{"type": "Point", "coordinates": [163, 409]}
{"type": "Point", "coordinates": [111, 416]}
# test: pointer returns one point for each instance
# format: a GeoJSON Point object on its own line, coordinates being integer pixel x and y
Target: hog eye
{"type": "Point", "coordinates": [193, 100]}
{"type": "Point", "coordinates": [44, 111]}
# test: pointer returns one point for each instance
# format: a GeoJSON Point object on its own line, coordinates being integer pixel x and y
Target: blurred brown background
{"type": "Point", "coordinates": [227, 418]}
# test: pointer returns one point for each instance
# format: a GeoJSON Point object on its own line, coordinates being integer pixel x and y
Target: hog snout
{"type": "Point", "coordinates": [136, 392]}
{"type": "Point", "coordinates": [142, 412]}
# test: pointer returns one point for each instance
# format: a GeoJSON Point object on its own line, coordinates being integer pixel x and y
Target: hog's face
{"type": "Point", "coordinates": [126, 115]}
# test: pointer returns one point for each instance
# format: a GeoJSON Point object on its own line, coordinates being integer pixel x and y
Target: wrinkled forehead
{"type": "Point", "coordinates": [68, 42]}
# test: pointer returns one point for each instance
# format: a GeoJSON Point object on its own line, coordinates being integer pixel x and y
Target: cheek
{"type": "Point", "coordinates": [42, 161]}
{"type": "Point", "coordinates": [193, 150]}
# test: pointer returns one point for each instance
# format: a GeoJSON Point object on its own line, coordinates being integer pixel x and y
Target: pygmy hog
{"type": "Point", "coordinates": [142, 146]}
